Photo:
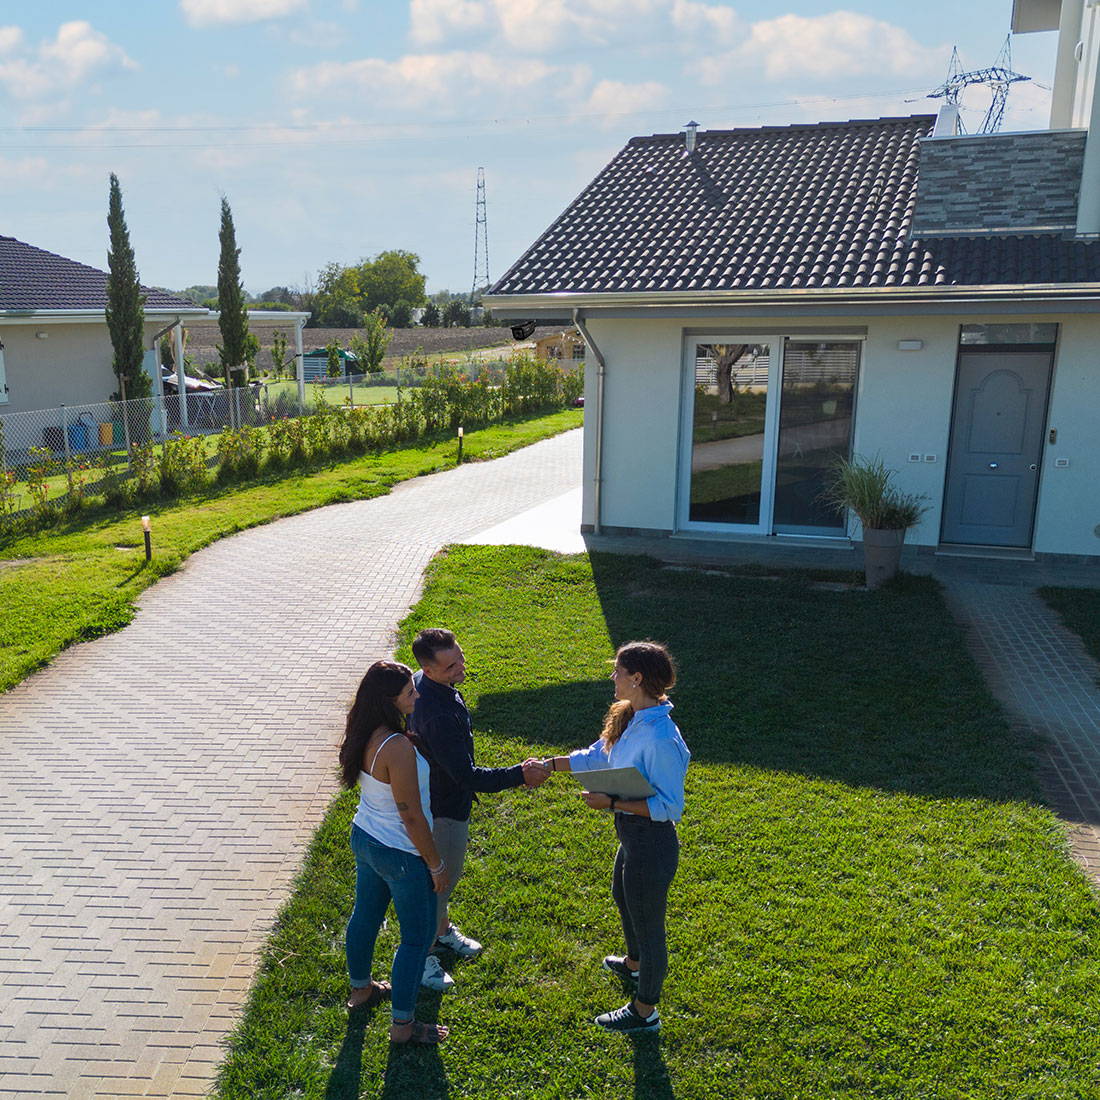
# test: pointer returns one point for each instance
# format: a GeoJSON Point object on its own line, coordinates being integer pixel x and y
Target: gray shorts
{"type": "Point", "coordinates": [451, 839]}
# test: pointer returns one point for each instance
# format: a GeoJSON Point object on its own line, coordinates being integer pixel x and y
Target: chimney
{"type": "Point", "coordinates": [689, 136]}
{"type": "Point", "coordinates": [947, 121]}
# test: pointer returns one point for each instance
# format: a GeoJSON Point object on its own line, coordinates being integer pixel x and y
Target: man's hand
{"type": "Point", "coordinates": [535, 772]}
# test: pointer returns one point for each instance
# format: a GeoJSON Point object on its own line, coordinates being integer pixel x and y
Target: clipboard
{"type": "Point", "coordinates": [621, 782]}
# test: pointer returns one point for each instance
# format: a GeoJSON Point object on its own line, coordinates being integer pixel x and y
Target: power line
{"type": "Point", "coordinates": [390, 132]}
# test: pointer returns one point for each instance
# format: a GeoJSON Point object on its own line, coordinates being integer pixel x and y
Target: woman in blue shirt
{"type": "Point", "coordinates": [638, 732]}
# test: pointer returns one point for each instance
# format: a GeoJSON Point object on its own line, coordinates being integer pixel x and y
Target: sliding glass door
{"type": "Point", "coordinates": [765, 421]}
{"type": "Point", "coordinates": [816, 402]}
{"type": "Point", "coordinates": [727, 432]}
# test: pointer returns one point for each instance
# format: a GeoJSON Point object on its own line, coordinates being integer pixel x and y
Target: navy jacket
{"type": "Point", "coordinates": [442, 727]}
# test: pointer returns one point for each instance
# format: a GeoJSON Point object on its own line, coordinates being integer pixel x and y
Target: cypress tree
{"type": "Point", "coordinates": [233, 317]}
{"type": "Point", "coordinates": [125, 302]}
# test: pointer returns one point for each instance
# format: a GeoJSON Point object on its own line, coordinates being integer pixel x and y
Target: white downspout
{"type": "Point", "coordinates": [1070, 22]}
{"type": "Point", "coordinates": [601, 371]}
{"type": "Point", "coordinates": [1088, 201]}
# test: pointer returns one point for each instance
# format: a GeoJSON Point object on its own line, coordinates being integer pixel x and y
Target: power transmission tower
{"type": "Point", "coordinates": [481, 240]}
{"type": "Point", "coordinates": [996, 78]}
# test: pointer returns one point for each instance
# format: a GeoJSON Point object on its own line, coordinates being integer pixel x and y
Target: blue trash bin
{"type": "Point", "coordinates": [78, 436]}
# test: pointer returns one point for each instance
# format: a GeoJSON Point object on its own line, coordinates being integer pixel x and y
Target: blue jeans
{"type": "Point", "coordinates": [382, 874]}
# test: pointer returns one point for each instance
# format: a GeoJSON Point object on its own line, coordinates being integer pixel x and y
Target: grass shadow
{"type": "Point", "coordinates": [651, 1079]}
{"type": "Point", "coordinates": [344, 1083]}
{"type": "Point", "coordinates": [874, 689]}
{"type": "Point", "coordinates": [416, 1072]}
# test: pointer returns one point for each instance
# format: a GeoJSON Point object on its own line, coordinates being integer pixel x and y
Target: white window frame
{"type": "Point", "coordinates": [3, 376]}
{"type": "Point", "coordinates": [776, 343]}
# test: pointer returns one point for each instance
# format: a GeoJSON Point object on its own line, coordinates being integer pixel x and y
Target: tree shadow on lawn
{"type": "Point", "coordinates": [872, 689]}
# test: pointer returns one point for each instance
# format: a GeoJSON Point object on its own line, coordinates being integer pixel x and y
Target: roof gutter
{"type": "Point", "coordinates": [847, 295]}
{"type": "Point", "coordinates": [601, 372]}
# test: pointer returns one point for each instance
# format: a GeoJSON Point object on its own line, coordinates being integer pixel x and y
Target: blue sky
{"type": "Point", "coordinates": [339, 128]}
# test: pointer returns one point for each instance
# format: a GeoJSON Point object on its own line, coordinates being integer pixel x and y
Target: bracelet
{"type": "Point", "coordinates": [614, 799]}
{"type": "Point", "coordinates": [436, 870]}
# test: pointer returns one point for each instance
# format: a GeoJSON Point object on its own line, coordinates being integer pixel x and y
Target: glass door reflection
{"type": "Point", "coordinates": [817, 399]}
{"type": "Point", "coordinates": [727, 450]}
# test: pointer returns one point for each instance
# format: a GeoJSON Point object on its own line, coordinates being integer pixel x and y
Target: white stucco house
{"type": "Point", "coordinates": [54, 345]}
{"type": "Point", "coordinates": [758, 301]}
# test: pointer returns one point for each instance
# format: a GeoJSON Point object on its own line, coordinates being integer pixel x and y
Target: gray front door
{"type": "Point", "coordinates": [996, 445]}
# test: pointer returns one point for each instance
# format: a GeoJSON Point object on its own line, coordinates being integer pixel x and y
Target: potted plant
{"type": "Point", "coordinates": [863, 486]}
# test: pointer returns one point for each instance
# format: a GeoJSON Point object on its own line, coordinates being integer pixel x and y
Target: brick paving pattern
{"type": "Point", "coordinates": [159, 785]}
{"type": "Point", "coordinates": [1048, 682]}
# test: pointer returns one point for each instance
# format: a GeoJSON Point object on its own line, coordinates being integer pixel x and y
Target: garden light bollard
{"type": "Point", "coordinates": [147, 531]}
{"type": "Point", "coordinates": [459, 462]}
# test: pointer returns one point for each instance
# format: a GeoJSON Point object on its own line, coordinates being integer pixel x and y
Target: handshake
{"type": "Point", "coordinates": [535, 772]}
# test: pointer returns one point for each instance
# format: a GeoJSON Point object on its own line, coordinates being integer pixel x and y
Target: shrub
{"type": "Point", "coordinates": [40, 469]}
{"type": "Point", "coordinates": [183, 466]}
{"type": "Point", "coordinates": [240, 452]}
{"type": "Point", "coordinates": [145, 468]}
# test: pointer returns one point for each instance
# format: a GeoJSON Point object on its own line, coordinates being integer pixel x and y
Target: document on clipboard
{"type": "Point", "coordinates": [621, 782]}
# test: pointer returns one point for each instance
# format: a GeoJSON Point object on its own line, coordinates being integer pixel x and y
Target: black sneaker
{"type": "Point", "coordinates": [627, 1021]}
{"type": "Point", "coordinates": [617, 965]}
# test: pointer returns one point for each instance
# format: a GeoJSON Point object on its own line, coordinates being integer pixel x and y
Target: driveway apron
{"type": "Point", "coordinates": [160, 785]}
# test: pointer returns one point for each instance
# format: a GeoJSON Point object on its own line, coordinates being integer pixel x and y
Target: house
{"type": "Point", "coordinates": [756, 302]}
{"type": "Point", "coordinates": [56, 349]}
{"type": "Point", "coordinates": [566, 346]}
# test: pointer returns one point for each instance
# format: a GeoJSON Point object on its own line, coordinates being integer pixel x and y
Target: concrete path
{"type": "Point", "coordinates": [159, 785]}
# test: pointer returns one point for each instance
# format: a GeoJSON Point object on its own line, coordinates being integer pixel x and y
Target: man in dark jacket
{"type": "Point", "coordinates": [441, 723]}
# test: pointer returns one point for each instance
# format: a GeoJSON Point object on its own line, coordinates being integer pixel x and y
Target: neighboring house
{"type": "Point", "coordinates": [566, 346]}
{"type": "Point", "coordinates": [758, 301]}
{"type": "Point", "coordinates": [54, 345]}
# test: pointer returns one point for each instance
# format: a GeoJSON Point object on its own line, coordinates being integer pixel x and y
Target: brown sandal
{"type": "Point", "coordinates": [379, 992]}
{"type": "Point", "coordinates": [425, 1035]}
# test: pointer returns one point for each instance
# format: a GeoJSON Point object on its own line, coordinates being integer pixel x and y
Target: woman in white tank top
{"type": "Point", "coordinates": [395, 857]}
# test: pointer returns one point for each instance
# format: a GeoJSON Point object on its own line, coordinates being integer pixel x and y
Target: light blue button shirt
{"type": "Point", "coordinates": [652, 744]}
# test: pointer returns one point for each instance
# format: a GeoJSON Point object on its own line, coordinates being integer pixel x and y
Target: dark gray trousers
{"type": "Point", "coordinates": [644, 868]}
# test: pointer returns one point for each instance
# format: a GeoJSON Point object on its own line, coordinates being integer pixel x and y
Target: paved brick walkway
{"type": "Point", "coordinates": [1048, 682]}
{"type": "Point", "coordinates": [159, 784]}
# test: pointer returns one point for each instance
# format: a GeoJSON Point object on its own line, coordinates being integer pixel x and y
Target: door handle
{"type": "Point", "coordinates": [1034, 466]}
{"type": "Point", "coordinates": [994, 465]}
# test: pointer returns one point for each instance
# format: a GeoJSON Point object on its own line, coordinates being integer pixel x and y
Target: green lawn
{"type": "Point", "coordinates": [333, 394]}
{"type": "Point", "coordinates": [869, 902]}
{"type": "Point", "coordinates": [78, 580]}
{"type": "Point", "coordinates": [1080, 611]}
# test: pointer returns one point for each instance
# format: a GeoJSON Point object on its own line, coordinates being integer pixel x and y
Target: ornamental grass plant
{"type": "Point", "coordinates": [864, 486]}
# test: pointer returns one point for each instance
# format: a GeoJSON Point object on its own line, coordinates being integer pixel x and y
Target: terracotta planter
{"type": "Point", "coordinates": [881, 554]}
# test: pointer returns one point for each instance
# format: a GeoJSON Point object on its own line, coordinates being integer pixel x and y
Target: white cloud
{"type": "Point", "coordinates": [612, 98]}
{"type": "Point", "coordinates": [208, 13]}
{"type": "Point", "coordinates": [78, 53]}
{"type": "Point", "coordinates": [10, 38]}
{"type": "Point", "coordinates": [533, 26]}
{"type": "Point", "coordinates": [440, 82]}
{"type": "Point", "coordinates": [715, 22]}
{"type": "Point", "coordinates": [839, 44]}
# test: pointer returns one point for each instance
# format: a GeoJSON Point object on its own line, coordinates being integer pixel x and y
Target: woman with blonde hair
{"type": "Point", "coordinates": [639, 732]}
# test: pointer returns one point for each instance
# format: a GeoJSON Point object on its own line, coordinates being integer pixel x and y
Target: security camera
{"type": "Point", "coordinates": [523, 330]}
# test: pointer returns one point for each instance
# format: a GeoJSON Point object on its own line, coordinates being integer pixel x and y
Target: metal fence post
{"type": "Point", "coordinates": [65, 433]}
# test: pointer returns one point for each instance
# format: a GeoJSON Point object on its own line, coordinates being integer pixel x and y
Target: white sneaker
{"type": "Point", "coordinates": [462, 946]}
{"type": "Point", "coordinates": [435, 977]}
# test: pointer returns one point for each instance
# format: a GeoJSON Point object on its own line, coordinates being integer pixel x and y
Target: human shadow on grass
{"type": "Point", "coordinates": [415, 1072]}
{"type": "Point", "coordinates": [651, 1079]}
{"type": "Point", "coordinates": [869, 689]}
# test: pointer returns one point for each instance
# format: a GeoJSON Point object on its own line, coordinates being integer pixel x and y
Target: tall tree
{"type": "Point", "coordinates": [233, 317]}
{"type": "Point", "coordinates": [390, 277]}
{"type": "Point", "coordinates": [125, 302]}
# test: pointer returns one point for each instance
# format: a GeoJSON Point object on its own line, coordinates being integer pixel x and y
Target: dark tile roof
{"type": "Point", "coordinates": [776, 208]}
{"type": "Point", "coordinates": [31, 278]}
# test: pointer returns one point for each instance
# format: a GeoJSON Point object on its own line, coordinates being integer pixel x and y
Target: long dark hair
{"type": "Point", "coordinates": [653, 662]}
{"type": "Point", "coordinates": [373, 707]}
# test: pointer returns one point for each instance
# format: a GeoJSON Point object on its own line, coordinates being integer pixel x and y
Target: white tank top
{"type": "Point", "coordinates": [377, 813]}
